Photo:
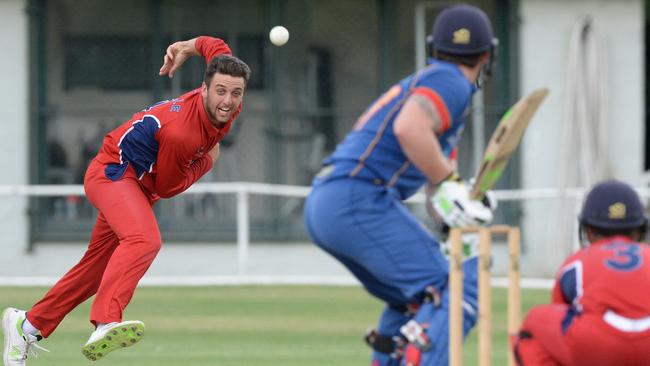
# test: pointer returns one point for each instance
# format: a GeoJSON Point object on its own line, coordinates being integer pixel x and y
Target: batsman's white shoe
{"type": "Point", "coordinates": [17, 344]}
{"type": "Point", "coordinates": [109, 337]}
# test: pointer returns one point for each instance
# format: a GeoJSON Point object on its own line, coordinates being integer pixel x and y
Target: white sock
{"type": "Point", "coordinates": [28, 328]}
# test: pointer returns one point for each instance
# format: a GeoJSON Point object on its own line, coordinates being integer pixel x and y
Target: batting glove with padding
{"type": "Point", "coordinates": [454, 205]}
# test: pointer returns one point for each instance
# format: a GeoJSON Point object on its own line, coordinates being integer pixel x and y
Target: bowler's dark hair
{"type": "Point", "coordinates": [227, 65]}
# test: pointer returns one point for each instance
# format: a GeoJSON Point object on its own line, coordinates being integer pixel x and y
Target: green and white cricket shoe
{"type": "Point", "coordinates": [17, 344]}
{"type": "Point", "coordinates": [109, 337]}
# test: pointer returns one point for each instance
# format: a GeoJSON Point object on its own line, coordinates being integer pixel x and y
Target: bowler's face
{"type": "Point", "coordinates": [222, 97]}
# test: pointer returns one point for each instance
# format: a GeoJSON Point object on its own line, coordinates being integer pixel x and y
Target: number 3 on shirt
{"type": "Point", "coordinates": [626, 257]}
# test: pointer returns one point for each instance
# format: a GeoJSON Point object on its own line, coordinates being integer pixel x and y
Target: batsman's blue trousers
{"type": "Point", "coordinates": [370, 231]}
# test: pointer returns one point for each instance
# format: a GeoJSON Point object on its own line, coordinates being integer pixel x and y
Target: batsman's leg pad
{"type": "Point", "coordinates": [416, 334]}
{"type": "Point", "coordinates": [386, 340]}
{"type": "Point", "coordinates": [437, 319]}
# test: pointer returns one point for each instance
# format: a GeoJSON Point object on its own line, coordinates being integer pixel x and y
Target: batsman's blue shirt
{"type": "Point", "coordinates": [371, 151]}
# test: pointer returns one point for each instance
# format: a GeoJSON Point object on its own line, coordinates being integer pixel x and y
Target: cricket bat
{"type": "Point", "coordinates": [504, 141]}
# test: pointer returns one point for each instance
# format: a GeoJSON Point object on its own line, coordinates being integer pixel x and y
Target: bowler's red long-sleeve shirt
{"type": "Point", "coordinates": [167, 144]}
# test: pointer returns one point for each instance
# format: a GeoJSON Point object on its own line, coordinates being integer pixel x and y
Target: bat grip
{"type": "Point", "coordinates": [475, 193]}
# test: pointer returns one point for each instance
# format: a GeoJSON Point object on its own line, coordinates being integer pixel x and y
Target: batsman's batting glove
{"type": "Point", "coordinates": [454, 205]}
{"type": "Point", "coordinates": [489, 199]}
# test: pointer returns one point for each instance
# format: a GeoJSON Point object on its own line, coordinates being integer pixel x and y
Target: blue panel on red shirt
{"type": "Point", "coordinates": [569, 283]}
{"type": "Point", "coordinates": [138, 147]}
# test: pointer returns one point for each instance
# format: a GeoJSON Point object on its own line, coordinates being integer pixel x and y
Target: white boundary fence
{"type": "Point", "coordinates": [243, 191]}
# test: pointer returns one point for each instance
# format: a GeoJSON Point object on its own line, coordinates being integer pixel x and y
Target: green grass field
{"type": "Point", "coordinates": [244, 325]}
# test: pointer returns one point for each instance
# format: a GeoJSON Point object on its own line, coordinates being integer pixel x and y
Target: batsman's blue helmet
{"type": "Point", "coordinates": [462, 30]}
{"type": "Point", "coordinates": [613, 205]}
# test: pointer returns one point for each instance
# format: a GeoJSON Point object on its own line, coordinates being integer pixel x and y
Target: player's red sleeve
{"type": "Point", "coordinates": [209, 47]}
{"type": "Point", "coordinates": [174, 175]}
{"type": "Point", "coordinates": [439, 105]}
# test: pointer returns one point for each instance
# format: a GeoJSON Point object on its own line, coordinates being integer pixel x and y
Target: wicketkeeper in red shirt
{"type": "Point", "coordinates": [160, 152]}
{"type": "Point", "coordinates": [600, 310]}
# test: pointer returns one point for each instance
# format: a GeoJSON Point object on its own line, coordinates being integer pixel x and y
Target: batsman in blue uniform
{"type": "Point", "coordinates": [404, 140]}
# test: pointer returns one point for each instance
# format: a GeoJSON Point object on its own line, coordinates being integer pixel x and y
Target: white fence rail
{"type": "Point", "coordinates": [243, 190]}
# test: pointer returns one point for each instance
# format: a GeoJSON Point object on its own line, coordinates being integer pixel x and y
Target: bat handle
{"type": "Point", "coordinates": [476, 193]}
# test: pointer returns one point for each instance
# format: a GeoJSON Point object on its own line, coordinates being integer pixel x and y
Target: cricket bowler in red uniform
{"type": "Point", "coordinates": [159, 153]}
{"type": "Point", "coordinates": [600, 311]}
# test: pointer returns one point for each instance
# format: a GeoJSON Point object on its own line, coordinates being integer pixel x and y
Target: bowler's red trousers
{"type": "Point", "coordinates": [123, 244]}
